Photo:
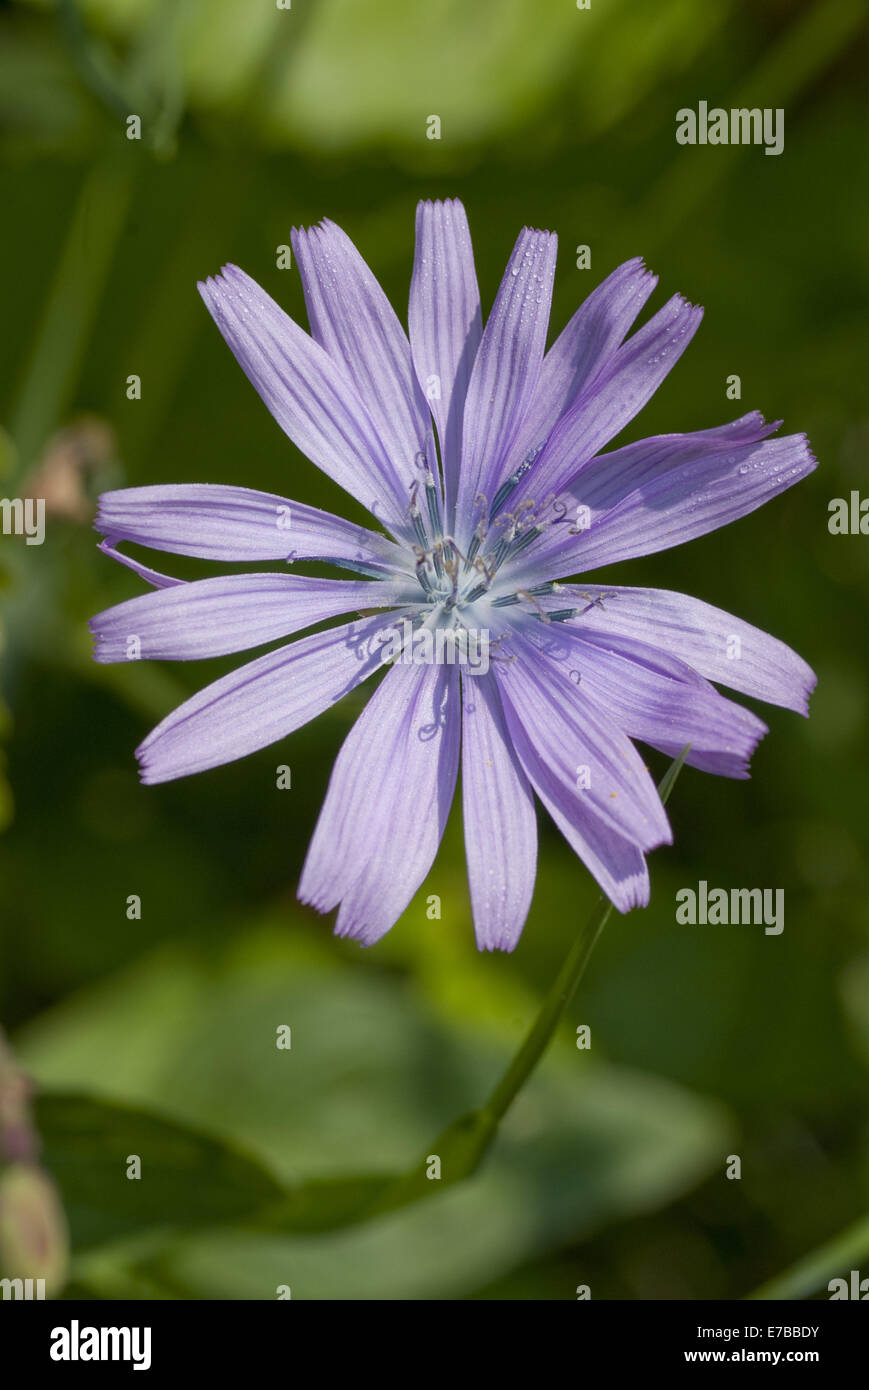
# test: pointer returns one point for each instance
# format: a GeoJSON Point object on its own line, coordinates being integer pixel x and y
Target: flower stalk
{"type": "Point", "coordinates": [462, 1147]}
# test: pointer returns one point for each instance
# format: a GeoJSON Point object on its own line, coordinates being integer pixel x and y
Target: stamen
{"type": "Point", "coordinates": [503, 493]}
{"type": "Point", "coordinates": [477, 592]}
{"type": "Point", "coordinates": [476, 541]}
{"type": "Point", "coordinates": [434, 504]}
{"type": "Point", "coordinates": [455, 552]}
{"type": "Point", "coordinates": [423, 575]}
{"type": "Point", "coordinates": [561, 615]}
{"type": "Point", "coordinates": [502, 550]}
{"type": "Point", "coordinates": [416, 518]}
{"type": "Point", "coordinates": [539, 591]}
{"type": "Point", "coordinates": [524, 540]}
{"type": "Point", "coordinates": [514, 480]}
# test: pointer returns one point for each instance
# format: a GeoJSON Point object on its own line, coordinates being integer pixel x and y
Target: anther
{"type": "Point", "coordinates": [477, 592]}
{"type": "Point", "coordinates": [423, 575]}
{"type": "Point", "coordinates": [561, 615]}
{"type": "Point", "coordinates": [524, 540]}
{"type": "Point", "coordinates": [514, 480]}
{"type": "Point", "coordinates": [434, 506]}
{"type": "Point", "coordinates": [416, 518]}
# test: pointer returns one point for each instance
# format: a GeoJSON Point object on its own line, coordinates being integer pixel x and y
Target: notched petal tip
{"type": "Point", "coordinates": [635, 266]}
{"type": "Point", "coordinates": [148, 776]}
{"type": "Point", "coordinates": [98, 650]}
{"type": "Point", "coordinates": [318, 900]}
{"type": "Point", "coordinates": [209, 291]}
{"type": "Point", "coordinates": [144, 773]}
{"type": "Point", "coordinates": [356, 929]}
{"type": "Point", "coordinates": [810, 683]}
{"type": "Point", "coordinates": [540, 235]}
{"type": "Point", "coordinates": [440, 203]}
{"type": "Point", "coordinates": [634, 893]}
{"type": "Point", "coordinates": [300, 236]}
{"type": "Point", "coordinates": [507, 945]}
{"type": "Point", "coordinates": [230, 281]}
{"type": "Point", "coordinates": [317, 232]}
{"type": "Point", "coordinates": [695, 311]}
{"type": "Point", "coordinates": [809, 452]}
{"type": "Point", "coordinates": [755, 420]}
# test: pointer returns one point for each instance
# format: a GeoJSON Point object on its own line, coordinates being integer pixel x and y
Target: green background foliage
{"type": "Point", "coordinates": [157, 1036]}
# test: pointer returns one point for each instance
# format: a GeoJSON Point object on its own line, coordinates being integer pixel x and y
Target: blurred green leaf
{"type": "Point", "coordinates": [622, 1145]}
{"type": "Point", "coordinates": [337, 74]}
{"type": "Point", "coordinates": [369, 1079]}
{"type": "Point", "coordinates": [187, 1179]}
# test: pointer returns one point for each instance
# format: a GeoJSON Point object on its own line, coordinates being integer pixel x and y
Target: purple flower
{"type": "Point", "coordinates": [479, 454]}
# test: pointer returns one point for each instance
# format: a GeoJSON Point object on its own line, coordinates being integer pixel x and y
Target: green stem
{"type": "Point", "coordinates": [562, 991]}
{"type": "Point", "coordinates": [836, 1259]}
{"type": "Point", "coordinates": [462, 1147]}
{"type": "Point", "coordinates": [554, 1005]}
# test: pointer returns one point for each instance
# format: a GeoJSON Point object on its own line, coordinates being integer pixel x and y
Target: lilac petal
{"type": "Point", "coordinates": [445, 324]}
{"type": "Point", "coordinates": [666, 491]}
{"type": "Point", "coordinates": [581, 351]}
{"type": "Point", "coordinates": [614, 860]}
{"type": "Point", "coordinates": [262, 701]}
{"type": "Point", "coordinates": [654, 697]}
{"type": "Point", "coordinates": [387, 803]}
{"type": "Point", "coordinates": [506, 370]}
{"type": "Point", "coordinates": [217, 522]}
{"type": "Point", "coordinates": [308, 393]}
{"type": "Point", "coordinates": [717, 645]}
{"type": "Point", "coordinates": [499, 817]}
{"type": "Point", "coordinates": [151, 576]}
{"type": "Point", "coordinates": [578, 742]}
{"type": "Point", "coordinates": [619, 391]}
{"type": "Point", "coordinates": [211, 617]}
{"type": "Point", "coordinates": [352, 319]}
